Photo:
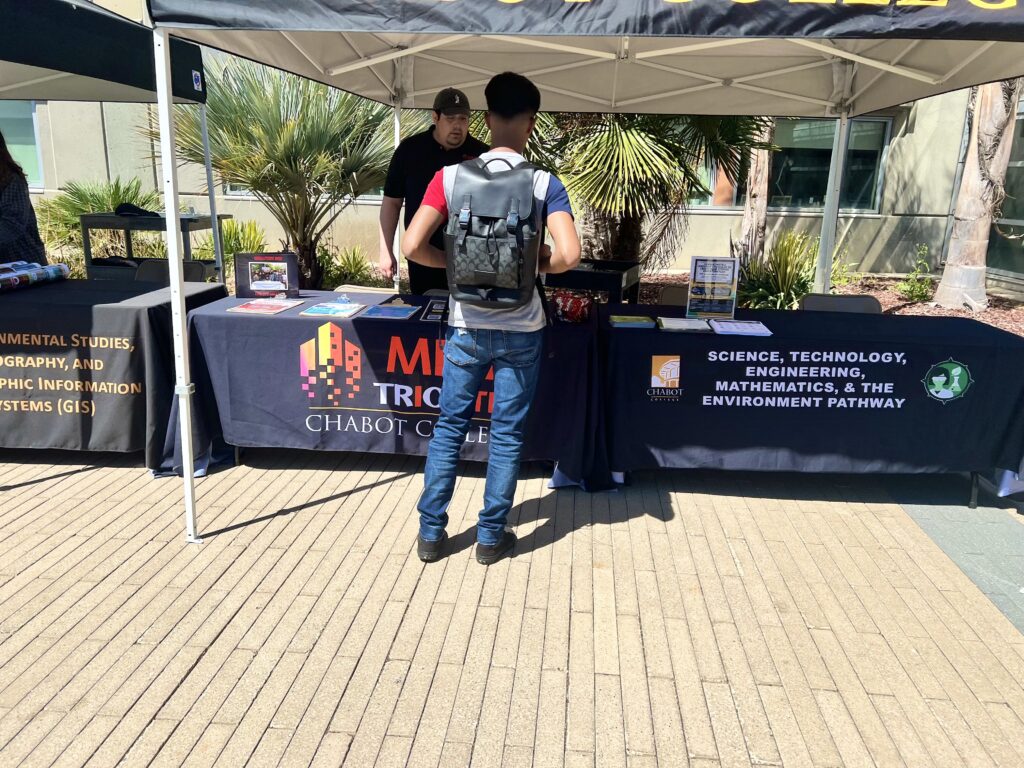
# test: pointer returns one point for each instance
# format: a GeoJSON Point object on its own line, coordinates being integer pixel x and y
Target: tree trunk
{"type": "Point", "coordinates": [755, 210]}
{"type": "Point", "coordinates": [993, 112]}
{"type": "Point", "coordinates": [611, 237]}
{"type": "Point", "coordinates": [311, 273]}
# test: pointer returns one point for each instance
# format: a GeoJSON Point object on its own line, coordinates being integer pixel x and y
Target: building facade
{"type": "Point", "coordinates": [897, 199]}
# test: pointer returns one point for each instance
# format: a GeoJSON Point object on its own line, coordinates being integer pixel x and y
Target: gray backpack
{"type": "Point", "coordinates": [493, 236]}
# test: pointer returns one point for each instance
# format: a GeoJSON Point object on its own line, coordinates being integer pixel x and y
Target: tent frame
{"type": "Point", "coordinates": [841, 104]}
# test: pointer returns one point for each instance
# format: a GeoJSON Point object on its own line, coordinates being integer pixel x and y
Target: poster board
{"type": "Point", "coordinates": [712, 291]}
{"type": "Point", "coordinates": [266, 275]}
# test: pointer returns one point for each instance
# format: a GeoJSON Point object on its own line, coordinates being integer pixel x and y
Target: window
{"type": "Point", "coordinates": [18, 125]}
{"type": "Point", "coordinates": [1006, 240]}
{"type": "Point", "coordinates": [799, 170]}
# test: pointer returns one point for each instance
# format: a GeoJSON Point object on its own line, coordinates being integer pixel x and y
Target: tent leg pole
{"type": "Point", "coordinates": [398, 229]}
{"type": "Point", "coordinates": [218, 244]}
{"type": "Point", "coordinates": [183, 386]}
{"type": "Point", "coordinates": [830, 216]}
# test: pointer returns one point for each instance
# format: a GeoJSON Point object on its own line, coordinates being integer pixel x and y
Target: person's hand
{"type": "Point", "coordinates": [388, 265]}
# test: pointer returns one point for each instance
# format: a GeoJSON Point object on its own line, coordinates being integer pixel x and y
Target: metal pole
{"type": "Point", "coordinates": [218, 246]}
{"type": "Point", "coordinates": [398, 229]}
{"type": "Point", "coordinates": [183, 386]}
{"type": "Point", "coordinates": [830, 216]}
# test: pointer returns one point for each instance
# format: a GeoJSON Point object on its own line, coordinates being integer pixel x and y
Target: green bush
{"type": "Point", "coordinates": [61, 231]}
{"type": "Point", "coordinates": [919, 285]}
{"type": "Point", "coordinates": [785, 275]}
{"type": "Point", "coordinates": [349, 266]}
{"type": "Point", "coordinates": [780, 278]}
{"type": "Point", "coordinates": [238, 237]}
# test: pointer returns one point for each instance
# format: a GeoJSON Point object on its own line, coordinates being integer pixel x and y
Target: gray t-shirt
{"type": "Point", "coordinates": [529, 317]}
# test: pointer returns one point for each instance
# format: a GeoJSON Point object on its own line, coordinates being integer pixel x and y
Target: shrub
{"type": "Point", "coordinates": [237, 237]}
{"type": "Point", "coordinates": [61, 230]}
{"type": "Point", "coordinates": [348, 266]}
{"type": "Point", "coordinates": [786, 274]}
{"type": "Point", "coordinates": [779, 279]}
{"type": "Point", "coordinates": [919, 285]}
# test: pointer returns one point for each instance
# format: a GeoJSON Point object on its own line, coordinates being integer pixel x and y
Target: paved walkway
{"type": "Point", "coordinates": [696, 618]}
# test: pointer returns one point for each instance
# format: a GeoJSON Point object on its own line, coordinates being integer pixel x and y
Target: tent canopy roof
{"type": "Point", "coordinates": [657, 56]}
{"type": "Point", "coordinates": [65, 51]}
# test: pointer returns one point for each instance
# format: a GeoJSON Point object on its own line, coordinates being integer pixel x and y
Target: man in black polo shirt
{"type": "Point", "coordinates": [412, 167]}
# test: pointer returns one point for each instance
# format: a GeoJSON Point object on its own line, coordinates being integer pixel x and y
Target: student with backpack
{"type": "Point", "coordinates": [496, 209]}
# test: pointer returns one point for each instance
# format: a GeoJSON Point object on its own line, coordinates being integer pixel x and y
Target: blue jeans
{"type": "Point", "coordinates": [469, 354]}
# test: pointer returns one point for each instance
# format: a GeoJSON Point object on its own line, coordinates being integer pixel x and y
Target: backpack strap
{"type": "Point", "coordinates": [465, 214]}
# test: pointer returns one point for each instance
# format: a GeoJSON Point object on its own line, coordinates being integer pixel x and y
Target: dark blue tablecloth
{"type": "Point", "coordinates": [367, 385]}
{"type": "Point", "coordinates": [836, 392]}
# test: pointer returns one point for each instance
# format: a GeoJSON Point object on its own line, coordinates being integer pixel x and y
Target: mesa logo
{"type": "Point", "coordinates": [665, 375]}
{"type": "Point", "coordinates": [327, 359]}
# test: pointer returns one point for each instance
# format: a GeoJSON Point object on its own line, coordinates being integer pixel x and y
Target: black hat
{"type": "Point", "coordinates": [451, 101]}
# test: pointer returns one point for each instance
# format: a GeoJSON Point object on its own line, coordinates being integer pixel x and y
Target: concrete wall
{"type": "Point", "coordinates": [920, 165]}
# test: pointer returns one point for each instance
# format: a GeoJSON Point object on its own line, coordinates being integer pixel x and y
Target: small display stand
{"type": "Point", "coordinates": [620, 279]}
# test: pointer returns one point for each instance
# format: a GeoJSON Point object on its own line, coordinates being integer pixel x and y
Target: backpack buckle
{"type": "Point", "coordinates": [464, 214]}
{"type": "Point", "coordinates": [512, 220]}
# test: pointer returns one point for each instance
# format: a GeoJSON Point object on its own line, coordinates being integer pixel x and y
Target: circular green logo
{"type": "Point", "coordinates": [947, 381]}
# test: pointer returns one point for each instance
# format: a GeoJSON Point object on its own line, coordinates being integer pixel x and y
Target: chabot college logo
{"type": "Point", "coordinates": [330, 365]}
{"type": "Point", "coordinates": [665, 371]}
{"type": "Point", "coordinates": [665, 377]}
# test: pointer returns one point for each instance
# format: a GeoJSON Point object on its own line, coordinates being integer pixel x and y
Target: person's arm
{"type": "Point", "coordinates": [566, 253]}
{"type": "Point", "coordinates": [390, 210]}
{"type": "Point", "coordinates": [416, 243]}
{"type": "Point", "coordinates": [429, 216]}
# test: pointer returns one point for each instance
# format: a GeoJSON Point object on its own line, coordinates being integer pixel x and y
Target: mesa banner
{"type": "Point", "coordinates": [364, 384]}
{"type": "Point", "coordinates": [827, 392]}
{"type": "Point", "coordinates": [956, 19]}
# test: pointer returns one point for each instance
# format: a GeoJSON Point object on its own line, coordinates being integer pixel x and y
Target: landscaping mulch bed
{"type": "Point", "coordinates": [1002, 313]}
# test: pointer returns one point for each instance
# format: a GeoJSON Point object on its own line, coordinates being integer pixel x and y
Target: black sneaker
{"type": "Point", "coordinates": [429, 551]}
{"type": "Point", "coordinates": [486, 554]}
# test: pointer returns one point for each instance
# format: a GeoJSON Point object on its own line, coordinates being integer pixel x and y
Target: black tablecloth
{"type": "Point", "coordinates": [89, 365]}
{"type": "Point", "coordinates": [253, 390]}
{"type": "Point", "coordinates": [845, 393]}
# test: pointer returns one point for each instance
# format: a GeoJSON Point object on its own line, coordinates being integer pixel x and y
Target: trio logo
{"type": "Point", "coordinates": [331, 365]}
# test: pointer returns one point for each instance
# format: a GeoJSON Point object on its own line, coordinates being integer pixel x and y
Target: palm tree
{"type": "Point", "coordinates": [750, 246]}
{"type": "Point", "coordinates": [632, 175]}
{"type": "Point", "coordinates": [992, 111]}
{"type": "Point", "coordinates": [305, 150]}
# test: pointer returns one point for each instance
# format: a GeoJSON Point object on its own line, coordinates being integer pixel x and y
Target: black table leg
{"type": "Point", "coordinates": [973, 504]}
{"type": "Point", "coordinates": [87, 250]}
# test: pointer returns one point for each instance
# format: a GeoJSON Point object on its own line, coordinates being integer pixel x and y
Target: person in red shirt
{"type": "Point", "coordinates": [479, 338]}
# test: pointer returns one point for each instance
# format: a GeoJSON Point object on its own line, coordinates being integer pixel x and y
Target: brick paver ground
{"type": "Point", "coordinates": [696, 618]}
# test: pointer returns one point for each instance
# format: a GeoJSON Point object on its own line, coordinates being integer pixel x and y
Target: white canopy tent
{"type": "Point", "coordinates": [675, 57]}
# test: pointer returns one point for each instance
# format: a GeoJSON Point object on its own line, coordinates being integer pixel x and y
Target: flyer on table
{"type": "Point", "coordinates": [712, 291]}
